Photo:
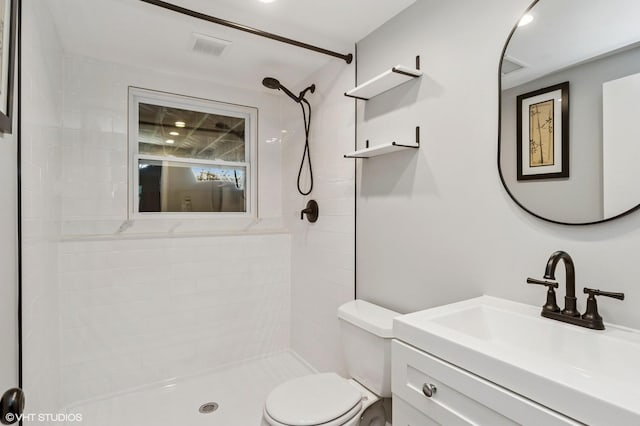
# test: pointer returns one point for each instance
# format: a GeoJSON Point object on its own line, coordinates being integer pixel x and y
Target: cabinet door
{"type": "Point", "coordinates": [405, 415]}
{"type": "Point", "coordinates": [462, 398]}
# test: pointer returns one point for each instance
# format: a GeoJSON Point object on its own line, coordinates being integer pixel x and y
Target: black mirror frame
{"type": "Point", "coordinates": [504, 183]}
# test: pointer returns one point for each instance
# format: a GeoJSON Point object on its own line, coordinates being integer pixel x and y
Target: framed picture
{"type": "Point", "coordinates": [543, 133]}
{"type": "Point", "coordinates": [8, 19]}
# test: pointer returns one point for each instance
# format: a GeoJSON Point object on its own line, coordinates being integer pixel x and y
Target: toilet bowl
{"type": "Point", "coordinates": [318, 399]}
{"type": "Point", "coordinates": [328, 399]}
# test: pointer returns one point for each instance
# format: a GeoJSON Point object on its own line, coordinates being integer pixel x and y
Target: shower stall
{"type": "Point", "coordinates": [136, 317]}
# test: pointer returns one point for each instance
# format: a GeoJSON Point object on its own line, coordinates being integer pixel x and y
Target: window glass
{"type": "Point", "coordinates": [190, 155]}
{"type": "Point", "coordinates": [177, 132]}
{"type": "Point", "coordinates": [166, 186]}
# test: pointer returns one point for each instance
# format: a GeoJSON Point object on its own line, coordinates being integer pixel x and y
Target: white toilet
{"type": "Point", "coordinates": [329, 400]}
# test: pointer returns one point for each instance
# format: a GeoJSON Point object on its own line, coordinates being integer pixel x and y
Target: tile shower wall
{"type": "Point", "coordinates": [139, 311]}
{"type": "Point", "coordinates": [322, 255]}
{"type": "Point", "coordinates": [95, 151]}
{"type": "Point", "coordinates": [41, 141]}
{"type": "Point", "coordinates": [155, 301]}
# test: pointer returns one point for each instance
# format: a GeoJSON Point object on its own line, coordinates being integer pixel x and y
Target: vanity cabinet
{"type": "Point", "coordinates": [460, 397]}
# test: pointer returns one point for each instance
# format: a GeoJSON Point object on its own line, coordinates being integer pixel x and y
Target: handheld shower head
{"type": "Point", "coordinates": [271, 83]}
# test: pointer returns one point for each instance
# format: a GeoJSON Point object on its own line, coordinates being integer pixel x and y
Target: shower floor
{"type": "Point", "coordinates": [240, 391]}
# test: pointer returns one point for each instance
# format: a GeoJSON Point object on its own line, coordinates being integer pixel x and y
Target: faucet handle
{"type": "Point", "coordinates": [591, 315]}
{"type": "Point", "coordinates": [551, 305]}
{"type": "Point", "coordinates": [549, 284]}
{"type": "Point", "coordinates": [590, 292]}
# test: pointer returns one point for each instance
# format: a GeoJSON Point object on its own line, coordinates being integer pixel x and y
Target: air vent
{"type": "Point", "coordinates": [208, 45]}
{"type": "Point", "coordinates": [510, 66]}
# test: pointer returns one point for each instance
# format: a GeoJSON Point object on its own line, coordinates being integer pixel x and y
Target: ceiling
{"type": "Point", "coordinates": [137, 33]}
{"type": "Point", "coordinates": [568, 32]}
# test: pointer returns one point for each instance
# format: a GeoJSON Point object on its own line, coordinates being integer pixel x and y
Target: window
{"type": "Point", "coordinates": [190, 156]}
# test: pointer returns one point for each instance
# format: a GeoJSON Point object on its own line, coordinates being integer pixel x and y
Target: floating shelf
{"type": "Point", "coordinates": [380, 150]}
{"type": "Point", "coordinates": [384, 149]}
{"type": "Point", "coordinates": [385, 81]}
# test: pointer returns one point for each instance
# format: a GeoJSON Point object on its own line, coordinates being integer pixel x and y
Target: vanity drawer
{"type": "Point", "coordinates": [461, 398]}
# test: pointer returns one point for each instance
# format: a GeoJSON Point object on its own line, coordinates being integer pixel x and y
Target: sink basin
{"type": "Point", "coordinates": [591, 376]}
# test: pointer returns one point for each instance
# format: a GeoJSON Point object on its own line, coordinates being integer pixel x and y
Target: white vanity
{"type": "Point", "coordinates": [489, 361]}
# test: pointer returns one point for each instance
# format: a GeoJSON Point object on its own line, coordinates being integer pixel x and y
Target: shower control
{"type": "Point", "coordinates": [311, 211]}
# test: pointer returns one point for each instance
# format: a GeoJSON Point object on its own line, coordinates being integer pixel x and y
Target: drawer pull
{"type": "Point", "coordinates": [428, 390]}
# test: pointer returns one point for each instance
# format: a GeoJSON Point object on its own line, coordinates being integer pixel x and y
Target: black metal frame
{"type": "Point", "coordinates": [355, 185]}
{"type": "Point", "coordinates": [6, 119]}
{"type": "Point", "coordinates": [564, 172]}
{"type": "Point", "coordinates": [504, 183]}
{"type": "Point", "coordinates": [19, 190]}
{"type": "Point", "coordinates": [345, 57]}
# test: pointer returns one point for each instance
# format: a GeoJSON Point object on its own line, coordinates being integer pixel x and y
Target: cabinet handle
{"type": "Point", "coordinates": [428, 390]}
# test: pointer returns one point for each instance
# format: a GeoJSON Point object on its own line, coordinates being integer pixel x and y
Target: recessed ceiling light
{"type": "Point", "coordinates": [267, 1]}
{"type": "Point", "coordinates": [174, 133]}
{"type": "Point", "coordinates": [170, 141]}
{"type": "Point", "coordinates": [180, 124]}
{"type": "Point", "coordinates": [525, 20]}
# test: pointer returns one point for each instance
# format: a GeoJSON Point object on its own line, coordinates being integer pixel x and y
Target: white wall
{"type": "Point", "coordinates": [322, 253]}
{"type": "Point", "coordinates": [9, 277]}
{"type": "Point", "coordinates": [139, 311]}
{"type": "Point", "coordinates": [436, 226]}
{"type": "Point", "coordinates": [41, 142]}
{"type": "Point", "coordinates": [8, 259]}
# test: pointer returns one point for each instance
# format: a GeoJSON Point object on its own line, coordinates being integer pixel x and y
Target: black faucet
{"type": "Point", "coordinates": [591, 318]}
{"type": "Point", "coordinates": [550, 274]}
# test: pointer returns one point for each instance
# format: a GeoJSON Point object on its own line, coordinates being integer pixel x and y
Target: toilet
{"type": "Point", "coordinates": [328, 399]}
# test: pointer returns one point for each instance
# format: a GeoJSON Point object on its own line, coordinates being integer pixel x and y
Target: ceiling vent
{"type": "Point", "coordinates": [509, 66]}
{"type": "Point", "coordinates": [209, 45]}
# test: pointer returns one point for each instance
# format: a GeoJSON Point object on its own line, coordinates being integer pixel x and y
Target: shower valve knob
{"type": "Point", "coordinates": [311, 211]}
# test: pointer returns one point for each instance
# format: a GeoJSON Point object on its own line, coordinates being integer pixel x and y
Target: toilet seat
{"type": "Point", "coordinates": [319, 399]}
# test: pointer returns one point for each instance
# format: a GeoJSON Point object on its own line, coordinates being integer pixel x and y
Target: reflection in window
{"type": "Point", "coordinates": [166, 186]}
{"type": "Point", "coordinates": [198, 135]}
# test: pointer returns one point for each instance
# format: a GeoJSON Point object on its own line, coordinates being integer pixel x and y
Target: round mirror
{"type": "Point", "coordinates": [569, 141]}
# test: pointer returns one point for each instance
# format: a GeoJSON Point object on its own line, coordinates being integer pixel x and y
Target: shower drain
{"type": "Point", "coordinates": [208, 408]}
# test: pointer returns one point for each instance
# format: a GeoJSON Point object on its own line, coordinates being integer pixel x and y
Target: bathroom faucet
{"type": "Point", "coordinates": [591, 318]}
{"type": "Point", "coordinates": [550, 274]}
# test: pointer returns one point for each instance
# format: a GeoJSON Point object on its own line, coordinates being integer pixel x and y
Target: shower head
{"type": "Point", "coordinates": [273, 83]}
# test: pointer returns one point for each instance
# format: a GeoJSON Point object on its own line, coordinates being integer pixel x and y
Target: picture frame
{"type": "Point", "coordinates": [8, 25]}
{"type": "Point", "coordinates": [543, 133]}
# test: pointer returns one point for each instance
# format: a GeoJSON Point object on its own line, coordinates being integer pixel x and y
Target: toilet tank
{"type": "Point", "coordinates": [366, 331]}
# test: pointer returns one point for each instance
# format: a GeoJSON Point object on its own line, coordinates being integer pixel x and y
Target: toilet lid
{"type": "Point", "coordinates": [312, 400]}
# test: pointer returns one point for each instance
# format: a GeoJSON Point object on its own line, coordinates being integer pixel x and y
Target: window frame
{"type": "Point", "coordinates": [138, 95]}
